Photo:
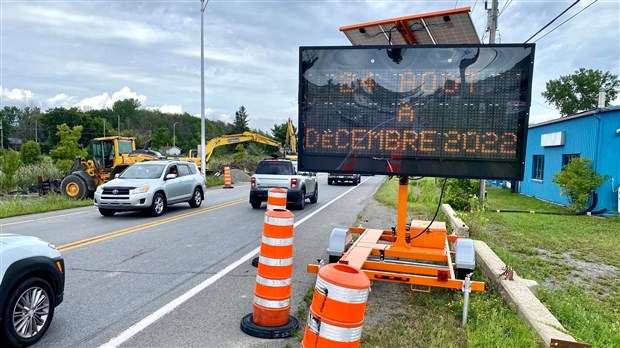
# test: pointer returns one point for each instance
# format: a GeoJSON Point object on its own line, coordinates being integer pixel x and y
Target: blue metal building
{"type": "Point", "coordinates": [593, 134]}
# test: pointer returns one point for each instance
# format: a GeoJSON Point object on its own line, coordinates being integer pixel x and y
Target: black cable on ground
{"type": "Point", "coordinates": [435, 216]}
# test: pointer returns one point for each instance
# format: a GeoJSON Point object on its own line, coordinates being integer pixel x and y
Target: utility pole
{"type": "Point", "coordinates": [492, 27]}
{"type": "Point", "coordinates": [203, 164]}
{"type": "Point", "coordinates": [1, 133]}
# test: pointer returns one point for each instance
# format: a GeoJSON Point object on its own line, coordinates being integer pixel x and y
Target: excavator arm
{"type": "Point", "coordinates": [237, 138]}
{"type": "Point", "coordinates": [291, 141]}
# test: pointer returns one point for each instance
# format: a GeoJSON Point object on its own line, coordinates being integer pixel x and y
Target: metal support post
{"type": "Point", "coordinates": [466, 291]}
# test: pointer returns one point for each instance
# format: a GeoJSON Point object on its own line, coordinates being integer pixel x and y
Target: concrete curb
{"type": "Point", "coordinates": [520, 295]}
{"type": "Point", "coordinates": [456, 224]}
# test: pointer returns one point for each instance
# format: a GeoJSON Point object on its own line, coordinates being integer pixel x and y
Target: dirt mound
{"type": "Point", "coordinates": [238, 175]}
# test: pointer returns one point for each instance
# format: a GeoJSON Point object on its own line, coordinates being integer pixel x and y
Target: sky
{"type": "Point", "coordinates": [90, 53]}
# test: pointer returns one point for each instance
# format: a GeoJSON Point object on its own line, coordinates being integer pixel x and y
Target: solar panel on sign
{"type": "Point", "coordinates": [443, 27]}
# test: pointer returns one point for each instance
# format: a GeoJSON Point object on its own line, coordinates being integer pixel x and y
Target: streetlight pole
{"type": "Point", "coordinates": [203, 163]}
{"type": "Point", "coordinates": [174, 134]}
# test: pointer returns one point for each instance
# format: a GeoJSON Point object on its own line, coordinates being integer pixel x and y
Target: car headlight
{"type": "Point", "coordinates": [141, 189]}
{"type": "Point", "coordinates": [99, 189]}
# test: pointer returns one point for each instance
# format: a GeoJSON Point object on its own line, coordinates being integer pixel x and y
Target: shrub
{"type": "Point", "coordinates": [577, 181]}
{"type": "Point", "coordinates": [27, 175]}
{"type": "Point", "coordinates": [459, 193]}
{"type": "Point", "coordinates": [240, 153]}
{"type": "Point", "coordinates": [31, 152]}
{"type": "Point", "coordinates": [9, 164]}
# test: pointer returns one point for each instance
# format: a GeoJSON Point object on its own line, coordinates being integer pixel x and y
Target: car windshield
{"type": "Point", "coordinates": [143, 171]}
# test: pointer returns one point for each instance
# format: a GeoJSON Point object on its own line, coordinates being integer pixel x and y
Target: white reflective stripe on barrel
{"type": "Point", "coordinates": [339, 293]}
{"type": "Point", "coordinates": [271, 303]}
{"type": "Point", "coordinates": [268, 261]}
{"type": "Point", "coordinates": [279, 221]}
{"type": "Point", "coordinates": [277, 241]}
{"type": "Point", "coordinates": [274, 206]}
{"type": "Point", "coordinates": [333, 333]}
{"type": "Point", "coordinates": [277, 194]}
{"type": "Point", "coordinates": [273, 282]}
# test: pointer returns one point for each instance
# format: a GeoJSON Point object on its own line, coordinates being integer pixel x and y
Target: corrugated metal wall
{"type": "Point", "coordinates": [586, 136]}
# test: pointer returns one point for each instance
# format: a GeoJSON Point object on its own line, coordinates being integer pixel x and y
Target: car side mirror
{"type": "Point", "coordinates": [313, 174]}
{"type": "Point", "coordinates": [170, 176]}
{"type": "Point", "coordinates": [117, 175]}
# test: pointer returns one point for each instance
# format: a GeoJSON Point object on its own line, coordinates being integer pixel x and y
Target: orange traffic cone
{"type": "Point", "coordinates": [272, 294]}
{"type": "Point", "coordinates": [227, 179]}
{"type": "Point", "coordinates": [336, 314]}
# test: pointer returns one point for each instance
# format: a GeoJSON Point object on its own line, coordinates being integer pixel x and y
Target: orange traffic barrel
{"type": "Point", "coordinates": [227, 179]}
{"type": "Point", "coordinates": [337, 311]}
{"type": "Point", "coordinates": [270, 317]}
{"type": "Point", "coordinates": [276, 198]}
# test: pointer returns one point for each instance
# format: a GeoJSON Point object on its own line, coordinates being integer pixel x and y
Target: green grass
{"type": "Point", "coordinates": [574, 258]}
{"type": "Point", "coordinates": [14, 206]}
{"type": "Point", "coordinates": [434, 319]}
{"type": "Point", "coordinates": [212, 180]}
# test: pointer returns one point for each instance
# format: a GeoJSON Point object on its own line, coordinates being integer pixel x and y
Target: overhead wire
{"type": "Point", "coordinates": [553, 20]}
{"type": "Point", "coordinates": [504, 8]}
{"type": "Point", "coordinates": [573, 16]}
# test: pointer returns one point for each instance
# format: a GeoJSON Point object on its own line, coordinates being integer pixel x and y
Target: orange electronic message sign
{"type": "Point", "coordinates": [444, 111]}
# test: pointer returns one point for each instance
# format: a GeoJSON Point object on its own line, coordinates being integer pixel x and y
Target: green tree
{"type": "Point", "coordinates": [8, 118]}
{"type": "Point", "coordinates": [571, 94]}
{"type": "Point", "coordinates": [578, 180]}
{"type": "Point", "coordinates": [279, 131]}
{"type": "Point", "coordinates": [241, 123]}
{"type": "Point", "coordinates": [126, 109]}
{"type": "Point", "coordinates": [68, 148]}
{"type": "Point", "coordinates": [160, 138]}
{"type": "Point", "coordinates": [71, 117]}
{"type": "Point", "coordinates": [240, 153]}
{"type": "Point", "coordinates": [9, 164]}
{"type": "Point", "coordinates": [31, 152]}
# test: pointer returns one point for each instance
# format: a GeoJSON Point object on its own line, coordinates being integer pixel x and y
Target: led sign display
{"type": "Point", "coordinates": [441, 110]}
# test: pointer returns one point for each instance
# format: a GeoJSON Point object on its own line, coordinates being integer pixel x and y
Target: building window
{"type": "Point", "coordinates": [538, 167]}
{"type": "Point", "coordinates": [567, 157]}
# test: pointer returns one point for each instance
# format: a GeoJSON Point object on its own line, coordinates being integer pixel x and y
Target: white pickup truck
{"type": "Point", "coordinates": [283, 173]}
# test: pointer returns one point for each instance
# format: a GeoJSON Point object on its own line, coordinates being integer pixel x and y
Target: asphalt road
{"type": "Point", "coordinates": [183, 279]}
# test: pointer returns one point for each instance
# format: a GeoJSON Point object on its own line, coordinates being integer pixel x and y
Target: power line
{"type": "Point", "coordinates": [551, 31]}
{"type": "Point", "coordinates": [548, 24]}
{"type": "Point", "coordinates": [472, 9]}
{"type": "Point", "coordinates": [504, 8]}
{"type": "Point", "coordinates": [456, 3]}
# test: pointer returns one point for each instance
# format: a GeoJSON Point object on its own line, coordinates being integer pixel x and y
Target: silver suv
{"type": "Point", "coordinates": [152, 186]}
{"type": "Point", "coordinates": [32, 283]}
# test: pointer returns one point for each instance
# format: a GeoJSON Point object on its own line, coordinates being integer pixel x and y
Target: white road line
{"type": "Point", "coordinates": [170, 306]}
{"type": "Point", "coordinates": [42, 219]}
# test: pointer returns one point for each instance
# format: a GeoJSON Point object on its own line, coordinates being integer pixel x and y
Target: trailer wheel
{"type": "Point", "coordinates": [74, 187]}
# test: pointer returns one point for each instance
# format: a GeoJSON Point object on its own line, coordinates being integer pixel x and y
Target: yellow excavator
{"type": "Point", "coordinates": [290, 144]}
{"type": "Point", "coordinates": [227, 140]}
{"type": "Point", "coordinates": [111, 156]}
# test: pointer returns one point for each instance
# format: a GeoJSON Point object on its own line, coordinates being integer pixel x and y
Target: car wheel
{"type": "Point", "coordinates": [106, 212]}
{"type": "Point", "coordinates": [196, 200]}
{"type": "Point", "coordinates": [356, 182]}
{"type": "Point", "coordinates": [359, 179]}
{"type": "Point", "coordinates": [158, 206]}
{"type": "Point", "coordinates": [28, 312]}
{"type": "Point", "coordinates": [256, 205]}
{"type": "Point", "coordinates": [330, 182]}
{"type": "Point", "coordinates": [302, 200]}
{"type": "Point", "coordinates": [315, 196]}
{"type": "Point", "coordinates": [74, 187]}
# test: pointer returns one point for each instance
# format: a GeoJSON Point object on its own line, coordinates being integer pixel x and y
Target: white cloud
{"type": "Point", "coordinates": [167, 109]}
{"type": "Point", "coordinates": [60, 100]}
{"type": "Point", "coordinates": [105, 101]}
{"type": "Point", "coordinates": [16, 94]}
{"type": "Point", "coordinates": [224, 118]}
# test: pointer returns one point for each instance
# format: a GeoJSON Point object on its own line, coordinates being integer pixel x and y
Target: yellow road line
{"type": "Point", "coordinates": [114, 234]}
